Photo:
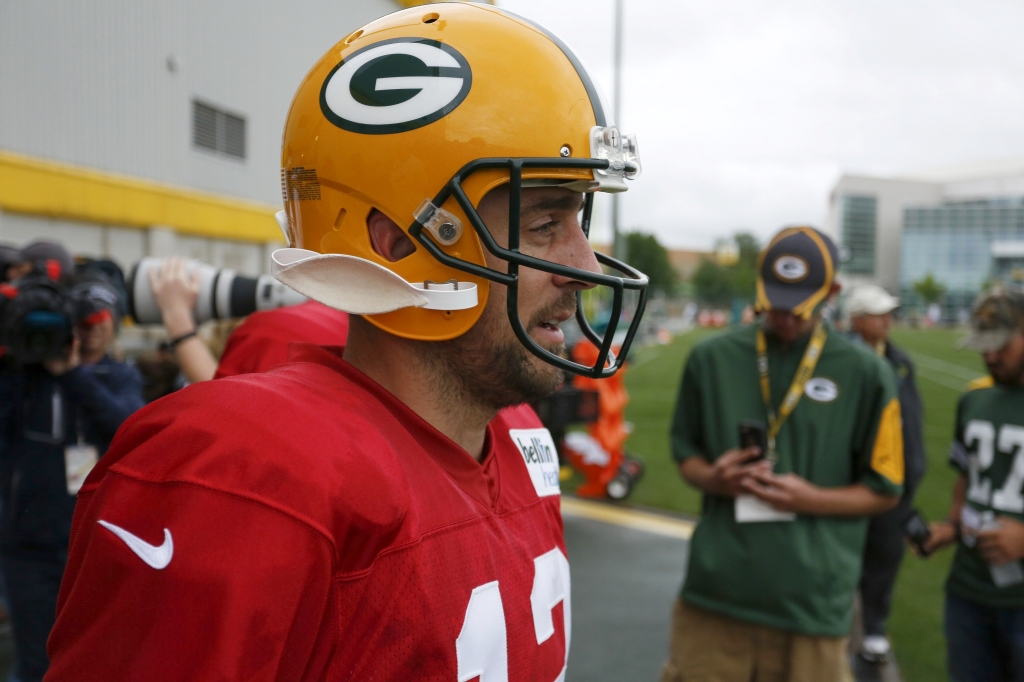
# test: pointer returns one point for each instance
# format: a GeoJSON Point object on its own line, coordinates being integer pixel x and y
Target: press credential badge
{"type": "Point", "coordinates": [538, 451]}
{"type": "Point", "coordinates": [79, 459]}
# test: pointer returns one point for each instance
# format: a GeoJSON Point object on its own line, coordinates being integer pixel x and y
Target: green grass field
{"type": "Point", "coordinates": [943, 371]}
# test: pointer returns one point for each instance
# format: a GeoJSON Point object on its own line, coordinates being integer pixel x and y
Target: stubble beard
{"type": "Point", "coordinates": [1011, 377]}
{"type": "Point", "coordinates": [490, 367]}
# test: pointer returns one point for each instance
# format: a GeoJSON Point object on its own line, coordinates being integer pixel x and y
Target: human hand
{"type": "Point", "coordinates": [175, 291]}
{"type": "Point", "coordinates": [785, 492]}
{"type": "Point", "coordinates": [1003, 544]}
{"type": "Point", "coordinates": [733, 467]}
{"type": "Point", "coordinates": [943, 534]}
{"type": "Point", "coordinates": [72, 358]}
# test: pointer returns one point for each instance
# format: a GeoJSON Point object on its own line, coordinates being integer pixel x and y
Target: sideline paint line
{"type": "Point", "coordinates": [941, 380]}
{"type": "Point", "coordinates": [952, 369]}
{"type": "Point", "coordinates": [628, 518]}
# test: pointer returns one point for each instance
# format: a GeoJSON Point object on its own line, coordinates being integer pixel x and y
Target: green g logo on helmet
{"type": "Point", "coordinates": [395, 85]}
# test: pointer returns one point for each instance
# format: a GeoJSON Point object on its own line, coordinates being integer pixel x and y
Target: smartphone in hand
{"type": "Point", "coordinates": [754, 433]}
{"type": "Point", "coordinates": [916, 530]}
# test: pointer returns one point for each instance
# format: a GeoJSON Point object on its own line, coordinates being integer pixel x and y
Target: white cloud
{"type": "Point", "coordinates": [748, 111]}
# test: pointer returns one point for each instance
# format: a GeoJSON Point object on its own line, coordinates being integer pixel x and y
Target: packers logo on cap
{"type": "Point", "coordinates": [790, 268]}
{"type": "Point", "coordinates": [395, 85]}
{"type": "Point", "coordinates": [795, 271]}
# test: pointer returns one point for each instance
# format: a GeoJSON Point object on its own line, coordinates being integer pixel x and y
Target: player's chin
{"type": "Point", "coordinates": [554, 377]}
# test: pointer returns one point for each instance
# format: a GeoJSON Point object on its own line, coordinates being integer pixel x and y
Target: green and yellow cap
{"type": "Point", "coordinates": [795, 271]}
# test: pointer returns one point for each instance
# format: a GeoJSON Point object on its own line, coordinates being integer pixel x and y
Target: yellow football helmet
{"type": "Point", "coordinates": [418, 115]}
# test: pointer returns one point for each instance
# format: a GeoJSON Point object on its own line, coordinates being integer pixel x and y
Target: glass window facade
{"type": "Point", "coordinates": [953, 242]}
{"type": "Point", "coordinates": [860, 225]}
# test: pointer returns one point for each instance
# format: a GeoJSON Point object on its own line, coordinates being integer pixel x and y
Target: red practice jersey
{"type": "Point", "coordinates": [304, 524]}
{"type": "Point", "coordinates": [261, 342]}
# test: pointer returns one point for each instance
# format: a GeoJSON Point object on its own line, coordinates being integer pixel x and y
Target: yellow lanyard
{"type": "Point", "coordinates": [796, 389]}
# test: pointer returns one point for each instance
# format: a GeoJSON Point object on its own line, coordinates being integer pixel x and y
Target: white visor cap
{"type": "Point", "coordinates": [869, 299]}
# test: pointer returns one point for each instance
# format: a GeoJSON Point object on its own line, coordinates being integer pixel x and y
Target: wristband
{"type": "Point", "coordinates": [184, 337]}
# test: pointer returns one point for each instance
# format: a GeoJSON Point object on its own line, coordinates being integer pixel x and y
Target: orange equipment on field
{"type": "Point", "coordinates": [599, 454]}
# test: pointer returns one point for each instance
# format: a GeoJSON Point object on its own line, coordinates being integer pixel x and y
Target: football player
{"type": "Point", "coordinates": [984, 615]}
{"type": "Point", "coordinates": [390, 513]}
{"type": "Point", "coordinates": [262, 342]}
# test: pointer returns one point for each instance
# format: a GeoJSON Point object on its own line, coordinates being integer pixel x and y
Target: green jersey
{"type": "Point", "coordinates": [988, 448]}
{"type": "Point", "coordinates": [797, 575]}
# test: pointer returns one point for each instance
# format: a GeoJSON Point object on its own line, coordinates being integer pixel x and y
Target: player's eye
{"type": "Point", "coordinates": [544, 229]}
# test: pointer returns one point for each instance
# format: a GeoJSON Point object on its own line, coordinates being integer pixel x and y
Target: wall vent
{"type": "Point", "coordinates": [217, 131]}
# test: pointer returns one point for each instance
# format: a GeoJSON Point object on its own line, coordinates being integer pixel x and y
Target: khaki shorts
{"type": "Point", "coordinates": [710, 647]}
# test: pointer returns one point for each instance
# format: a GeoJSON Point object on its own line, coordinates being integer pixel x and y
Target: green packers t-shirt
{"type": "Point", "coordinates": [792, 575]}
{"type": "Point", "coordinates": [988, 448]}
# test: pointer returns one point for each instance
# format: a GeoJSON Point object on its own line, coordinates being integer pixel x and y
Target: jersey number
{"type": "Point", "coordinates": [1010, 442]}
{"type": "Point", "coordinates": [481, 648]}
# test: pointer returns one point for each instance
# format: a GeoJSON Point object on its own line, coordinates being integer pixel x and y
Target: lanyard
{"type": "Point", "coordinates": [796, 389]}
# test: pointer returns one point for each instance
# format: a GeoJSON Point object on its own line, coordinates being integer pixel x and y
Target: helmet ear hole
{"type": "Point", "coordinates": [340, 219]}
{"type": "Point", "coordinates": [388, 240]}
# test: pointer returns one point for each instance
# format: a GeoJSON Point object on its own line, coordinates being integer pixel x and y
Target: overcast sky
{"type": "Point", "coordinates": [747, 111]}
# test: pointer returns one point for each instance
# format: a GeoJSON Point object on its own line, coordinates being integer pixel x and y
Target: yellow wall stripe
{"type": "Point", "coordinates": [628, 518]}
{"type": "Point", "coordinates": [57, 190]}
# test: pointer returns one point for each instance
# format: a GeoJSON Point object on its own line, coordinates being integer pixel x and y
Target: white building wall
{"type": "Point", "coordinates": [125, 246]}
{"type": "Point", "coordinates": [108, 84]}
{"type": "Point", "coordinates": [893, 196]}
{"type": "Point", "coordinates": [985, 188]}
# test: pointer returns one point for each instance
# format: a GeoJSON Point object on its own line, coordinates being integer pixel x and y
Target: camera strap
{"type": "Point", "coordinates": [796, 389]}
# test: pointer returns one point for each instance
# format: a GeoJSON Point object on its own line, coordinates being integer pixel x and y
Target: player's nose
{"type": "Point", "coordinates": [579, 255]}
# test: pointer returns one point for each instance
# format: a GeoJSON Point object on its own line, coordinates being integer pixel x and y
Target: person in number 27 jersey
{"type": "Point", "coordinates": [984, 618]}
{"type": "Point", "coordinates": [390, 512]}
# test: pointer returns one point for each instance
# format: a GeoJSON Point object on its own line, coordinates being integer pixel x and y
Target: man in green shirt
{"type": "Point", "coordinates": [776, 557]}
{"type": "Point", "coordinates": [984, 619]}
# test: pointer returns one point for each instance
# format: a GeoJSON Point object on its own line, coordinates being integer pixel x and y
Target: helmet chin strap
{"type": "Point", "coordinates": [362, 287]}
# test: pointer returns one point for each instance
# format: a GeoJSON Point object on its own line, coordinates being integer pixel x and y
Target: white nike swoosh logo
{"type": "Point", "coordinates": [157, 557]}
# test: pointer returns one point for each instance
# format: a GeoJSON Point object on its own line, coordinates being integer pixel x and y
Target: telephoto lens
{"type": "Point", "coordinates": [223, 293]}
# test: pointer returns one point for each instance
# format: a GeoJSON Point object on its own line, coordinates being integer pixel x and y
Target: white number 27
{"type": "Point", "coordinates": [481, 648]}
{"type": "Point", "coordinates": [1011, 442]}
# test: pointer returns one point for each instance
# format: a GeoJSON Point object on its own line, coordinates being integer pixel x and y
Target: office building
{"type": "Point", "coordinates": [943, 223]}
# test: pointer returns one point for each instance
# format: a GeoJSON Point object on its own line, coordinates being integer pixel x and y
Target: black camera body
{"type": "Point", "coordinates": [38, 315]}
{"type": "Point", "coordinates": [38, 321]}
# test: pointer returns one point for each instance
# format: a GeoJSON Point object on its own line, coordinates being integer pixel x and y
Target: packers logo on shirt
{"type": "Point", "coordinates": [821, 389]}
{"type": "Point", "coordinates": [395, 85]}
{"type": "Point", "coordinates": [790, 268]}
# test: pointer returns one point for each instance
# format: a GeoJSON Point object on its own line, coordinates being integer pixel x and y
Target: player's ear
{"type": "Point", "coordinates": [387, 238]}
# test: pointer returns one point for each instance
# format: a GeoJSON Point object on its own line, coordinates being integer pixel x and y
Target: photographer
{"type": "Point", "coordinates": [261, 342]}
{"type": "Point", "coordinates": [62, 398]}
{"type": "Point", "coordinates": [264, 340]}
{"type": "Point", "coordinates": [175, 290]}
{"type": "Point", "coordinates": [9, 256]}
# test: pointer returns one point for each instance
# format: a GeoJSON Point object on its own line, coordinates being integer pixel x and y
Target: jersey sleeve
{"type": "Point", "coordinates": [880, 460]}
{"type": "Point", "coordinates": [687, 433]}
{"type": "Point", "coordinates": [173, 581]}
